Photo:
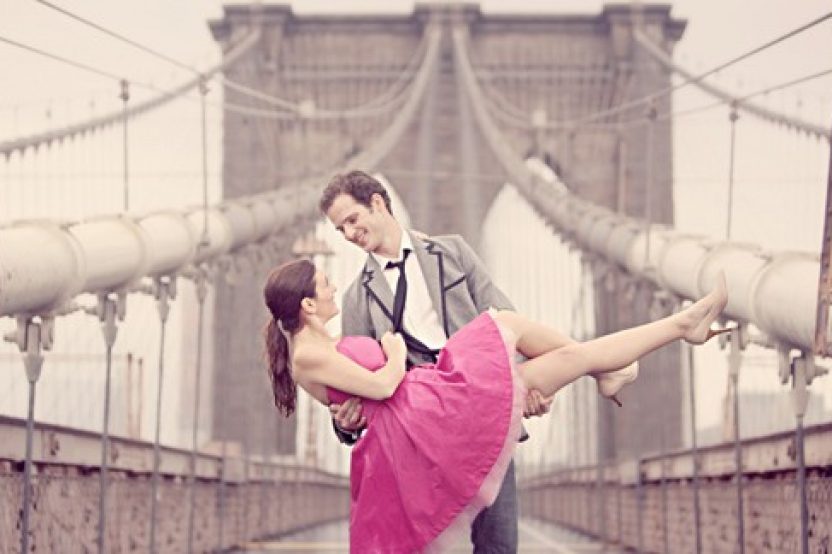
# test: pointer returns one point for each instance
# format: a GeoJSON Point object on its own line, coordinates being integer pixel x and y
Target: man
{"type": "Point", "coordinates": [425, 288]}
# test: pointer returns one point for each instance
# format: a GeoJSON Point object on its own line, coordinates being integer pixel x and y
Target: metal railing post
{"type": "Point", "coordinates": [201, 286]}
{"type": "Point", "coordinates": [164, 290]}
{"type": "Point", "coordinates": [31, 338]}
{"type": "Point", "coordinates": [737, 341]}
{"type": "Point", "coordinates": [697, 524]}
{"type": "Point", "coordinates": [109, 308]}
{"type": "Point", "coordinates": [802, 370]}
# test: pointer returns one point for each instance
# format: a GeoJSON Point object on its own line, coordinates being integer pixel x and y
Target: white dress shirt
{"type": "Point", "coordinates": [420, 317]}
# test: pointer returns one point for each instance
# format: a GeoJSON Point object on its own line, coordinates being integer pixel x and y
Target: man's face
{"type": "Point", "coordinates": [361, 225]}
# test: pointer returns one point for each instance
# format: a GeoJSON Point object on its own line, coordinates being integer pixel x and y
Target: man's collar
{"type": "Point", "coordinates": [405, 242]}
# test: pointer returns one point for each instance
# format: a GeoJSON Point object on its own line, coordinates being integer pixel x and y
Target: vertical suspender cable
{"type": "Point", "coordinates": [29, 338]}
{"type": "Point", "coordinates": [734, 363]}
{"type": "Point", "coordinates": [125, 97]}
{"type": "Point", "coordinates": [648, 180]}
{"type": "Point", "coordinates": [201, 293]}
{"type": "Point", "coordinates": [203, 91]}
{"type": "Point", "coordinates": [162, 289]}
{"type": "Point", "coordinates": [106, 312]}
{"type": "Point", "coordinates": [694, 449]}
{"type": "Point", "coordinates": [733, 116]}
{"type": "Point", "coordinates": [200, 283]}
{"type": "Point", "coordinates": [800, 397]}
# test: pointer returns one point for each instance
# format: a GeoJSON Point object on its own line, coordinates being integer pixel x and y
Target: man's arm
{"type": "Point", "coordinates": [482, 289]}
{"type": "Point", "coordinates": [485, 293]}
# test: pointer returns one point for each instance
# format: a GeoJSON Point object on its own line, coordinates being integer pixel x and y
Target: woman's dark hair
{"type": "Point", "coordinates": [286, 286]}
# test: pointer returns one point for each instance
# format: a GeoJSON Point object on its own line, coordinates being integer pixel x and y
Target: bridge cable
{"type": "Point", "coordinates": [294, 107]}
{"type": "Point", "coordinates": [759, 111]}
{"type": "Point", "coordinates": [663, 116]}
{"type": "Point", "coordinates": [149, 50]}
{"type": "Point", "coordinates": [241, 88]}
{"type": "Point", "coordinates": [61, 59]}
{"type": "Point", "coordinates": [739, 100]}
{"type": "Point", "coordinates": [380, 103]}
{"type": "Point", "coordinates": [119, 37]}
{"type": "Point", "coordinates": [733, 117]}
{"type": "Point", "coordinates": [654, 51]}
{"type": "Point", "coordinates": [125, 97]}
{"type": "Point", "coordinates": [694, 79]}
{"type": "Point", "coordinates": [7, 147]}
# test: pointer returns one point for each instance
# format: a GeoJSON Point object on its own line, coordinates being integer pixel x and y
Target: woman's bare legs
{"type": "Point", "coordinates": [554, 368]}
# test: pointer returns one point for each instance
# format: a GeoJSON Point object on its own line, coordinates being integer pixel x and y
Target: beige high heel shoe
{"type": "Point", "coordinates": [610, 382]}
{"type": "Point", "coordinates": [711, 306]}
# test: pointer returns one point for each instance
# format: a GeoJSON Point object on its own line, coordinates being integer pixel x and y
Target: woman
{"type": "Point", "coordinates": [439, 437]}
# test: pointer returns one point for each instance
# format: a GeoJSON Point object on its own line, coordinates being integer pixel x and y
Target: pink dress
{"type": "Point", "coordinates": [435, 453]}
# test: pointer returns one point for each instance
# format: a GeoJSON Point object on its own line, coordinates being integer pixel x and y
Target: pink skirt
{"type": "Point", "coordinates": [435, 453]}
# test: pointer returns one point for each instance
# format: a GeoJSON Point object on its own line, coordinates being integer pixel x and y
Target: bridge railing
{"type": "Point", "coordinates": [684, 501]}
{"type": "Point", "coordinates": [773, 297]}
{"type": "Point", "coordinates": [237, 498]}
{"type": "Point", "coordinates": [111, 258]}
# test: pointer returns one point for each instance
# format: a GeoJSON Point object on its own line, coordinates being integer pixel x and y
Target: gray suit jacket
{"type": "Point", "coordinates": [457, 281]}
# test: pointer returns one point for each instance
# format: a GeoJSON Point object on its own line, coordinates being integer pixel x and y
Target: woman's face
{"type": "Point", "coordinates": [325, 307]}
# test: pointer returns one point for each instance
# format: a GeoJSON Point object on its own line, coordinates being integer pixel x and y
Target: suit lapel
{"type": "Point", "coordinates": [432, 264]}
{"type": "Point", "coordinates": [377, 288]}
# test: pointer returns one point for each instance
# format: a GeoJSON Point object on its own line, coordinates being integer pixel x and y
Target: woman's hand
{"type": "Point", "coordinates": [394, 370]}
{"type": "Point", "coordinates": [393, 346]}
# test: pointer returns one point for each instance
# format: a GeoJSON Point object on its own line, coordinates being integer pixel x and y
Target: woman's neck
{"type": "Point", "coordinates": [313, 330]}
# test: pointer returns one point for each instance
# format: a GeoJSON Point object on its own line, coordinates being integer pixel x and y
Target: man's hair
{"type": "Point", "coordinates": [357, 184]}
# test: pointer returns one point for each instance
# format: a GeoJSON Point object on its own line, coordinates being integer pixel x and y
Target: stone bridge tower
{"type": "Point", "coordinates": [541, 69]}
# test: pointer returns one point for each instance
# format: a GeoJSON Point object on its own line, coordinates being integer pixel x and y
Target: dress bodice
{"type": "Point", "coordinates": [364, 351]}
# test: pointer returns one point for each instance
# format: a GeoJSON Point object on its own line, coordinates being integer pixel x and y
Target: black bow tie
{"type": "Point", "coordinates": [399, 264]}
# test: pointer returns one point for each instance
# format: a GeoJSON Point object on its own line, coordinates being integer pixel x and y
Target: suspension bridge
{"type": "Point", "coordinates": [135, 411]}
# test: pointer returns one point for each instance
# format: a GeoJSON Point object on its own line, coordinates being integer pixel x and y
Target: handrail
{"type": "Point", "coordinates": [114, 253]}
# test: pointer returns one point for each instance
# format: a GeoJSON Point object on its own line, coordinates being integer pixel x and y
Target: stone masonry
{"type": "Point", "coordinates": [649, 506]}
{"type": "Point", "coordinates": [550, 68]}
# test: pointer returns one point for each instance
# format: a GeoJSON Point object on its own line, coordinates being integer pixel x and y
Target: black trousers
{"type": "Point", "coordinates": [494, 531]}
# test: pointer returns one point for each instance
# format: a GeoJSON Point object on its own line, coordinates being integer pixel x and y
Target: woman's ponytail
{"type": "Point", "coordinates": [285, 288]}
{"type": "Point", "coordinates": [277, 352]}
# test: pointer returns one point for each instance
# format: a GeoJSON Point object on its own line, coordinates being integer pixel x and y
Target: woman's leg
{"type": "Point", "coordinates": [554, 369]}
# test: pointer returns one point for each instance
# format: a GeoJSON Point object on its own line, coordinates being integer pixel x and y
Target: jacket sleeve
{"type": "Point", "coordinates": [355, 313]}
{"type": "Point", "coordinates": [355, 321]}
{"type": "Point", "coordinates": [482, 289]}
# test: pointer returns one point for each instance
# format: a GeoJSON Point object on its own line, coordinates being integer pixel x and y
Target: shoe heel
{"type": "Point", "coordinates": [712, 333]}
{"type": "Point", "coordinates": [615, 399]}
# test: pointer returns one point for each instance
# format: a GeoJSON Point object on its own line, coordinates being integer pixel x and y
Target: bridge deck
{"type": "Point", "coordinates": [535, 536]}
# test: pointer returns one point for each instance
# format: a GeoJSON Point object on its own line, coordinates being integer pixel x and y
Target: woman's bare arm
{"type": "Point", "coordinates": [328, 367]}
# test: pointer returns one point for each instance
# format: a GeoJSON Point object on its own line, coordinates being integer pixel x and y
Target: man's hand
{"type": "Point", "coordinates": [348, 415]}
{"type": "Point", "coordinates": [536, 405]}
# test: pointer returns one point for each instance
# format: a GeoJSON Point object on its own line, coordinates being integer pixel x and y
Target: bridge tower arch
{"type": "Point", "coordinates": [548, 74]}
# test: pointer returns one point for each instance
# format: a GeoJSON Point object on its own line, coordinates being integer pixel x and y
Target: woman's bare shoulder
{"type": "Point", "coordinates": [313, 355]}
